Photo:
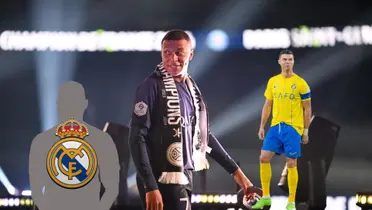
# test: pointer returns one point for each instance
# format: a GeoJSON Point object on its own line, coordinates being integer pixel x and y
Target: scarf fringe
{"type": "Point", "coordinates": [200, 161]}
{"type": "Point", "coordinates": [173, 178]}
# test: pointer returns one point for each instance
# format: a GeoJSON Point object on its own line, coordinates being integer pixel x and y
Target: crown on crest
{"type": "Point", "coordinates": [72, 128]}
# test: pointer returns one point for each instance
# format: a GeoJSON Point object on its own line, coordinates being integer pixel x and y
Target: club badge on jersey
{"type": "Point", "coordinates": [140, 109]}
{"type": "Point", "coordinates": [72, 162]}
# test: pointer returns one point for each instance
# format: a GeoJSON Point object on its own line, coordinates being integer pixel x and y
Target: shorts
{"type": "Point", "coordinates": [283, 138]}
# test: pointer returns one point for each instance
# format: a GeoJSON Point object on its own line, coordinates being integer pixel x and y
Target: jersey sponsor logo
{"type": "Point", "coordinates": [72, 162]}
{"type": "Point", "coordinates": [284, 95]}
{"type": "Point", "coordinates": [140, 108]}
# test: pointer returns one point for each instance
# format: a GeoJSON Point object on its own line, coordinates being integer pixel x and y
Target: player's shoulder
{"type": "Point", "coordinates": [300, 79]}
{"type": "Point", "coordinates": [274, 78]}
{"type": "Point", "coordinates": [148, 82]}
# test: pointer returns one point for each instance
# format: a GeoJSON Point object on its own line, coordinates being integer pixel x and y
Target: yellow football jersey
{"type": "Point", "coordinates": [287, 95]}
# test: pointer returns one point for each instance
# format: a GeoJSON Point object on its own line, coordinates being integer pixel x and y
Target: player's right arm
{"type": "Point", "coordinates": [266, 109]}
{"type": "Point", "coordinates": [138, 134]}
{"type": "Point", "coordinates": [37, 171]}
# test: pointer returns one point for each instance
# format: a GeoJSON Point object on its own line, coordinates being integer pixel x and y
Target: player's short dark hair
{"type": "Point", "coordinates": [176, 34]}
{"type": "Point", "coordinates": [288, 52]}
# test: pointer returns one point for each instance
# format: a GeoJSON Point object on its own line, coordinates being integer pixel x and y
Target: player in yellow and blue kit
{"type": "Point", "coordinates": [288, 96]}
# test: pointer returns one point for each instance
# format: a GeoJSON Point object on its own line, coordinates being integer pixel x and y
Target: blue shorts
{"type": "Point", "coordinates": [283, 138]}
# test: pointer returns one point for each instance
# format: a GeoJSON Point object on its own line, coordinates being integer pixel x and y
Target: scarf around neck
{"type": "Point", "coordinates": [173, 172]}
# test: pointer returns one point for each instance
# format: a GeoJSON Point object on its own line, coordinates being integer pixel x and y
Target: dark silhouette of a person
{"type": "Point", "coordinates": [69, 162]}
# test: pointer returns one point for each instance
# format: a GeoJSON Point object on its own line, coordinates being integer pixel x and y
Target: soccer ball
{"type": "Point", "coordinates": [246, 202]}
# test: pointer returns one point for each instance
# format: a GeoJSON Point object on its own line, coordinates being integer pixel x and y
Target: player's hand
{"type": "Point", "coordinates": [242, 181]}
{"type": "Point", "coordinates": [154, 201]}
{"type": "Point", "coordinates": [261, 133]}
{"type": "Point", "coordinates": [305, 139]}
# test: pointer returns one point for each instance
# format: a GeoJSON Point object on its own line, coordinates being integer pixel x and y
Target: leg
{"type": "Point", "coordinates": [265, 171]}
{"type": "Point", "coordinates": [292, 179]}
{"type": "Point", "coordinates": [175, 197]}
{"type": "Point", "coordinates": [270, 146]}
{"type": "Point", "coordinates": [292, 148]}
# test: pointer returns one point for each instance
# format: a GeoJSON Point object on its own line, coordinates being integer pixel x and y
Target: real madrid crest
{"type": "Point", "coordinates": [72, 162]}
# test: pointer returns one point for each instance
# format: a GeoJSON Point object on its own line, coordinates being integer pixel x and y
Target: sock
{"type": "Point", "coordinates": [265, 174]}
{"type": "Point", "coordinates": [292, 183]}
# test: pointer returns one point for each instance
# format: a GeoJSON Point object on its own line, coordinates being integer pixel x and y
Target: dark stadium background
{"type": "Point", "coordinates": [338, 75]}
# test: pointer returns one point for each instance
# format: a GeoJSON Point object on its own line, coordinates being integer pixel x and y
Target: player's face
{"type": "Point", "coordinates": [286, 61]}
{"type": "Point", "coordinates": [176, 55]}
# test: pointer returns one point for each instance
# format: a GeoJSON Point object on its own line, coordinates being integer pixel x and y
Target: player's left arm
{"type": "Point", "coordinates": [307, 113]}
{"type": "Point", "coordinates": [305, 93]}
{"type": "Point", "coordinates": [109, 170]}
{"type": "Point", "coordinates": [219, 154]}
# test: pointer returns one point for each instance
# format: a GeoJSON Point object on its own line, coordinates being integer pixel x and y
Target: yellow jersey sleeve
{"type": "Point", "coordinates": [305, 91]}
{"type": "Point", "coordinates": [269, 92]}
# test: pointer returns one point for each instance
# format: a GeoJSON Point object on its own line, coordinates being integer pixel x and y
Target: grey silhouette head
{"type": "Point", "coordinates": [71, 101]}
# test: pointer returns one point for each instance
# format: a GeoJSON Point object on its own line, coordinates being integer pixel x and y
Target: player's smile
{"type": "Point", "coordinates": [174, 69]}
{"type": "Point", "coordinates": [175, 66]}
